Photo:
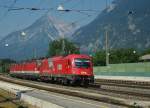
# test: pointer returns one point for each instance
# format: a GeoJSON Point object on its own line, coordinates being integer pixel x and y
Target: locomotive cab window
{"type": "Point", "coordinates": [82, 63]}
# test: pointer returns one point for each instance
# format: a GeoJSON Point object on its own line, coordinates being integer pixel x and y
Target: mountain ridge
{"type": "Point", "coordinates": [126, 22]}
{"type": "Point", "coordinates": [34, 40]}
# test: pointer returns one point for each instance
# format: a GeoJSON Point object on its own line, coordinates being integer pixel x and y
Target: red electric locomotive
{"type": "Point", "coordinates": [71, 69]}
{"type": "Point", "coordinates": [25, 70]}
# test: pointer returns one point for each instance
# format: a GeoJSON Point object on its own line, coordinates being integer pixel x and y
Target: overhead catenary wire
{"type": "Point", "coordinates": [69, 10]}
{"type": "Point", "coordinates": [64, 13]}
{"type": "Point", "coordinates": [34, 8]}
{"type": "Point", "coordinates": [85, 12]}
{"type": "Point", "coordinates": [80, 11]}
{"type": "Point", "coordinates": [51, 9]}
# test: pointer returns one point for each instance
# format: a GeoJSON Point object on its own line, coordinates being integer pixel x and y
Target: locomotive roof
{"type": "Point", "coordinates": [78, 55]}
{"type": "Point", "coordinates": [72, 56]}
{"type": "Point", "coordinates": [56, 58]}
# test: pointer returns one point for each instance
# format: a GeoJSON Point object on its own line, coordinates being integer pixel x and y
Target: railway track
{"type": "Point", "coordinates": [138, 89]}
{"type": "Point", "coordinates": [102, 92]}
{"type": "Point", "coordinates": [124, 83]}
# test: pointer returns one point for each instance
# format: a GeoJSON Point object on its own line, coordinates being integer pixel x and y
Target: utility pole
{"type": "Point", "coordinates": [63, 45]}
{"type": "Point", "coordinates": [106, 41]}
{"type": "Point", "coordinates": [34, 53]}
{"type": "Point", "coordinates": [23, 38]}
{"type": "Point", "coordinates": [106, 48]}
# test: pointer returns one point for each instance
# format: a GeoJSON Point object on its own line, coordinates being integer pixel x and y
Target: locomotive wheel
{"type": "Point", "coordinates": [72, 83]}
{"type": "Point", "coordinates": [66, 81]}
{"type": "Point", "coordinates": [52, 80]}
{"type": "Point", "coordinates": [86, 83]}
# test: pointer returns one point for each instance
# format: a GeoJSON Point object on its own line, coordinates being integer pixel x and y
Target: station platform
{"type": "Point", "coordinates": [129, 78]}
{"type": "Point", "coordinates": [46, 99]}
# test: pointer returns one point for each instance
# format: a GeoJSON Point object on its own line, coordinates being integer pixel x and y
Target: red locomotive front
{"type": "Point", "coordinates": [80, 68]}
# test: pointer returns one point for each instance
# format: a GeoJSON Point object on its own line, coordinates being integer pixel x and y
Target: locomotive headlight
{"type": "Point", "coordinates": [83, 72]}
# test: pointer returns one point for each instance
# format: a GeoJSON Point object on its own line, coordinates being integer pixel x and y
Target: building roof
{"type": "Point", "coordinates": [145, 57]}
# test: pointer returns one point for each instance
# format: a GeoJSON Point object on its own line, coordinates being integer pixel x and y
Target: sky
{"type": "Point", "coordinates": [14, 20]}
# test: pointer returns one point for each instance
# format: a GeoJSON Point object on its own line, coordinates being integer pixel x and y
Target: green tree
{"type": "Point", "coordinates": [99, 58]}
{"type": "Point", "coordinates": [116, 56]}
{"type": "Point", "coordinates": [146, 51]}
{"type": "Point", "coordinates": [124, 56]}
{"type": "Point", "coordinates": [62, 47]}
{"type": "Point", "coordinates": [4, 65]}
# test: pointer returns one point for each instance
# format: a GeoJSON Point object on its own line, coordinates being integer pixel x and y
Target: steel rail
{"type": "Point", "coordinates": [124, 83]}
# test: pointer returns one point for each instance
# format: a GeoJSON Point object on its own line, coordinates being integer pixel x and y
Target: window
{"type": "Point", "coordinates": [59, 66]}
{"type": "Point", "coordinates": [82, 63]}
{"type": "Point", "coordinates": [50, 63]}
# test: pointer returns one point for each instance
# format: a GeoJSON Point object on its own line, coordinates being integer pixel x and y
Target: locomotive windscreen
{"type": "Point", "coordinates": [82, 63]}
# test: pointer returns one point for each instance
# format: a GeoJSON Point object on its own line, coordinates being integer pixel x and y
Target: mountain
{"type": "Point", "coordinates": [34, 40]}
{"type": "Point", "coordinates": [127, 23]}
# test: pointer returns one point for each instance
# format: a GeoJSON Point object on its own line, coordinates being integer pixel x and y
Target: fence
{"type": "Point", "coordinates": [126, 69]}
